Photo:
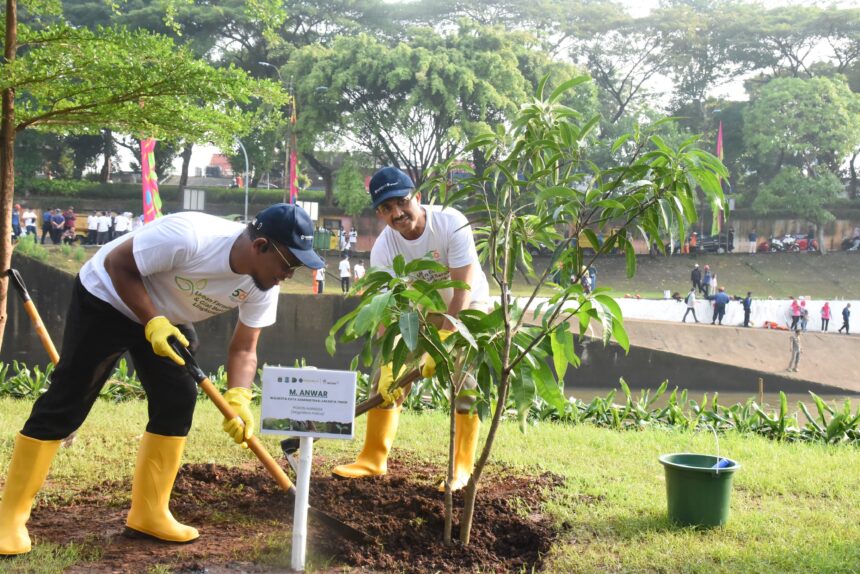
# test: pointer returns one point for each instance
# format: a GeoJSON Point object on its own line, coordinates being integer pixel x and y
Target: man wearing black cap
{"type": "Point", "coordinates": [137, 293]}
{"type": "Point", "coordinates": [415, 231]}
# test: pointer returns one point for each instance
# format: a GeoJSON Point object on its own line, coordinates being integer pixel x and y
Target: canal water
{"type": "Point", "coordinates": [304, 322]}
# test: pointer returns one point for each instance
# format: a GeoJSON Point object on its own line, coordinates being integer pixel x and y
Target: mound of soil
{"type": "Point", "coordinates": [241, 512]}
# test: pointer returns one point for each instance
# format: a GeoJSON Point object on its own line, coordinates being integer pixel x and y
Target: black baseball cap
{"type": "Point", "coordinates": [389, 182]}
{"type": "Point", "coordinates": [290, 225]}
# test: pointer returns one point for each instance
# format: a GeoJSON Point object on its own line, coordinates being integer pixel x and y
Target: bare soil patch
{"type": "Point", "coordinates": [242, 514]}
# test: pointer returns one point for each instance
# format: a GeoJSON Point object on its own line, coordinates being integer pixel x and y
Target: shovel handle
{"type": "Point", "coordinates": [216, 397]}
{"type": "Point", "coordinates": [18, 282]}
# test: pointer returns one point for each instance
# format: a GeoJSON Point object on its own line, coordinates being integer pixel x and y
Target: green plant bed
{"type": "Point", "coordinates": [794, 506]}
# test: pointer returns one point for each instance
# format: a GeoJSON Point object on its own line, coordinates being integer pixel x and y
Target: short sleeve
{"type": "Point", "coordinates": [461, 250]}
{"type": "Point", "coordinates": [380, 254]}
{"type": "Point", "coordinates": [161, 247]}
{"type": "Point", "coordinates": [262, 311]}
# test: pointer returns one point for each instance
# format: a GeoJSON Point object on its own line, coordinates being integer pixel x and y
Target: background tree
{"type": "Point", "coordinates": [349, 189]}
{"type": "Point", "coordinates": [75, 80]}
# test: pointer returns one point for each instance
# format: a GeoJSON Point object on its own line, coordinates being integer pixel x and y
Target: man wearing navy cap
{"type": "Point", "coordinates": [139, 291]}
{"type": "Point", "coordinates": [415, 231]}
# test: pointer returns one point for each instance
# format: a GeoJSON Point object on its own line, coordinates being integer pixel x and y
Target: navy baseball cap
{"type": "Point", "coordinates": [389, 182]}
{"type": "Point", "coordinates": [290, 225]}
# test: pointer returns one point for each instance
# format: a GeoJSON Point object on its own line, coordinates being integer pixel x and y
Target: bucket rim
{"type": "Point", "coordinates": [663, 458]}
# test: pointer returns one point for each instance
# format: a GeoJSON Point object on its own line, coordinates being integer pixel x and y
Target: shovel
{"type": "Point", "coordinates": [258, 449]}
{"type": "Point", "coordinates": [18, 282]}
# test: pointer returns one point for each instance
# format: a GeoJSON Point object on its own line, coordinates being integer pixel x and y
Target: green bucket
{"type": "Point", "coordinates": [697, 492]}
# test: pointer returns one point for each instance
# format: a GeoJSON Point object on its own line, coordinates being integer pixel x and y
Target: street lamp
{"type": "Point", "coordinates": [245, 153]}
{"type": "Point", "coordinates": [286, 140]}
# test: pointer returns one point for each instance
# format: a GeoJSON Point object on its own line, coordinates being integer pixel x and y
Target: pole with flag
{"type": "Point", "coordinates": [720, 157]}
{"type": "Point", "coordinates": [294, 159]}
{"type": "Point", "coordinates": [151, 198]}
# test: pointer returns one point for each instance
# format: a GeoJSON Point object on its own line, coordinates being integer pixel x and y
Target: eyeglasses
{"type": "Point", "coordinates": [290, 266]}
{"type": "Point", "coordinates": [400, 202]}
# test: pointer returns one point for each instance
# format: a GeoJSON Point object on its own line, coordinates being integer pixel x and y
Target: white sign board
{"type": "Point", "coordinates": [311, 207]}
{"type": "Point", "coordinates": [194, 199]}
{"type": "Point", "coordinates": [308, 402]}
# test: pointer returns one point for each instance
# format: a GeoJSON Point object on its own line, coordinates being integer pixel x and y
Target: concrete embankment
{"type": "Point", "coordinates": [828, 359]}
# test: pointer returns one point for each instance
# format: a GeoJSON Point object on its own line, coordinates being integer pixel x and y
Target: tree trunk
{"type": "Point", "coordinates": [7, 162]}
{"type": "Point", "coordinates": [472, 487]}
{"type": "Point", "coordinates": [104, 176]}
{"type": "Point", "coordinates": [327, 174]}
{"type": "Point", "coordinates": [822, 248]}
{"type": "Point", "coordinates": [186, 163]}
{"type": "Point", "coordinates": [852, 182]}
{"type": "Point", "coordinates": [449, 496]}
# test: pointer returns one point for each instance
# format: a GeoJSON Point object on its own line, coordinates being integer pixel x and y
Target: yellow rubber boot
{"type": "Point", "coordinates": [157, 464]}
{"type": "Point", "coordinates": [373, 458]}
{"type": "Point", "coordinates": [31, 460]}
{"type": "Point", "coordinates": [466, 430]}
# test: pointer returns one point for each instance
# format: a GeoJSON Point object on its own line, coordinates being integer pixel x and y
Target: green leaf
{"type": "Point", "coordinates": [631, 258]}
{"type": "Point", "coordinates": [399, 265]}
{"type": "Point", "coordinates": [409, 329]}
{"type": "Point", "coordinates": [565, 86]}
{"type": "Point", "coordinates": [559, 357]}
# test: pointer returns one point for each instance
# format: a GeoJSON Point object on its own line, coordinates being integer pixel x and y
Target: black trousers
{"type": "Point", "coordinates": [96, 336]}
{"type": "Point", "coordinates": [747, 317]}
{"type": "Point", "coordinates": [687, 312]}
{"type": "Point", "coordinates": [344, 284]}
{"type": "Point", "coordinates": [824, 324]}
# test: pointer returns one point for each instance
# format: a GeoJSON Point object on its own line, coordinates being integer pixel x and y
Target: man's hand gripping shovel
{"type": "Point", "coordinates": [260, 451]}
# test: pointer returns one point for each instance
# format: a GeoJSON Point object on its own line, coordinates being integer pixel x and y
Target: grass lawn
{"type": "Point", "coordinates": [794, 506]}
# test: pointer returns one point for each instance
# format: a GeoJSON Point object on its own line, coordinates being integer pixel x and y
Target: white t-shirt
{"type": "Point", "coordinates": [93, 222]}
{"type": "Point", "coordinates": [358, 271]}
{"type": "Point", "coordinates": [29, 218]}
{"type": "Point", "coordinates": [320, 274]}
{"type": "Point", "coordinates": [121, 223]}
{"type": "Point", "coordinates": [104, 223]}
{"type": "Point", "coordinates": [184, 259]}
{"type": "Point", "coordinates": [448, 237]}
{"type": "Point", "coordinates": [353, 236]}
{"type": "Point", "coordinates": [344, 268]}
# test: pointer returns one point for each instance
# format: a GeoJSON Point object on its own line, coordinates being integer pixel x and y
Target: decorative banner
{"type": "Point", "coordinates": [294, 157]}
{"type": "Point", "coordinates": [151, 198]}
{"type": "Point", "coordinates": [720, 156]}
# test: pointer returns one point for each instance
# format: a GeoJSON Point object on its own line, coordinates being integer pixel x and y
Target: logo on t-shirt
{"type": "Point", "coordinates": [238, 295]}
{"type": "Point", "coordinates": [199, 300]}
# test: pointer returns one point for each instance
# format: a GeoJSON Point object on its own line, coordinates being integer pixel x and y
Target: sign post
{"type": "Point", "coordinates": [308, 403]}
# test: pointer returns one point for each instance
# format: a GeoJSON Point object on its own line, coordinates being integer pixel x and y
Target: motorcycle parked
{"type": "Point", "coordinates": [789, 242]}
{"type": "Point", "coordinates": [776, 245]}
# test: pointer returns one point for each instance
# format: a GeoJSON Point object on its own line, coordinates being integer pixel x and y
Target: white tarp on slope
{"type": "Point", "coordinates": [776, 310]}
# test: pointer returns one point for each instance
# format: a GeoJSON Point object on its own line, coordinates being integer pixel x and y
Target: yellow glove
{"type": "Point", "coordinates": [239, 430]}
{"type": "Point", "coordinates": [428, 364]}
{"type": "Point", "coordinates": [158, 330]}
{"type": "Point", "coordinates": [386, 380]}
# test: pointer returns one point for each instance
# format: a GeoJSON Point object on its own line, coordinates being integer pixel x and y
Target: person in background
{"type": "Point", "coordinates": [731, 239]}
{"type": "Point", "coordinates": [804, 316]}
{"type": "Point", "coordinates": [747, 308]}
{"type": "Point", "coordinates": [122, 223]}
{"type": "Point", "coordinates": [694, 238]}
{"type": "Point", "coordinates": [345, 270]}
{"type": "Point", "coordinates": [753, 237]}
{"type": "Point", "coordinates": [46, 225]}
{"type": "Point", "coordinates": [16, 222]}
{"type": "Point", "coordinates": [319, 275]}
{"type": "Point", "coordinates": [810, 239]}
{"type": "Point", "coordinates": [706, 282]}
{"type": "Point", "coordinates": [71, 218]}
{"type": "Point", "coordinates": [92, 228]}
{"type": "Point", "coordinates": [30, 222]}
{"type": "Point", "coordinates": [721, 299]}
{"type": "Point", "coordinates": [696, 278]}
{"type": "Point", "coordinates": [691, 305]}
{"type": "Point", "coordinates": [358, 271]}
{"type": "Point", "coordinates": [825, 316]}
{"type": "Point", "coordinates": [795, 314]}
{"type": "Point", "coordinates": [103, 234]}
{"type": "Point", "coordinates": [794, 346]}
{"type": "Point", "coordinates": [846, 316]}
{"type": "Point", "coordinates": [58, 225]}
